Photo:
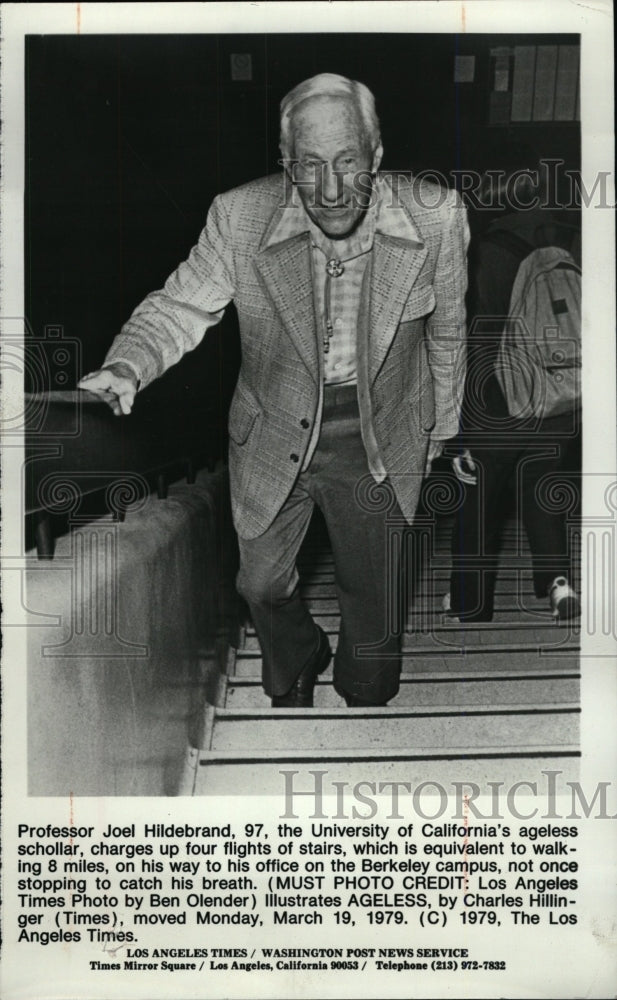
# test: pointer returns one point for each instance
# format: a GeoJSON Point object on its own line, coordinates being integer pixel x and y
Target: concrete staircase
{"type": "Point", "coordinates": [477, 701]}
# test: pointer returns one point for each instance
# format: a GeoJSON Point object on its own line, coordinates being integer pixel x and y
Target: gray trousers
{"type": "Point", "coordinates": [366, 577]}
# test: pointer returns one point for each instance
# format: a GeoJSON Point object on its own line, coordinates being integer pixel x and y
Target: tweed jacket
{"type": "Point", "coordinates": [410, 348]}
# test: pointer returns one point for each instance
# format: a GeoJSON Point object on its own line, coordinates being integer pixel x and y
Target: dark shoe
{"type": "Point", "coordinates": [353, 701]}
{"type": "Point", "coordinates": [300, 695]}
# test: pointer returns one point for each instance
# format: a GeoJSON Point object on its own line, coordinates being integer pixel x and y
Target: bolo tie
{"type": "Point", "coordinates": [335, 267]}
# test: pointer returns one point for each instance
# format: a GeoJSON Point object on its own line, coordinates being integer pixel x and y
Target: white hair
{"type": "Point", "coordinates": [330, 85]}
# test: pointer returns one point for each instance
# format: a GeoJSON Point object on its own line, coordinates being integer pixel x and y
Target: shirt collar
{"type": "Point", "coordinates": [385, 216]}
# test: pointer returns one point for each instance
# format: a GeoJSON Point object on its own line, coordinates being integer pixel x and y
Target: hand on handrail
{"type": "Point", "coordinates": [116, 384]}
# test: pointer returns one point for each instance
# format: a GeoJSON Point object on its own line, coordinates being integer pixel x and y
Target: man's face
{"type": "Point", "coordinates": [333, 163]}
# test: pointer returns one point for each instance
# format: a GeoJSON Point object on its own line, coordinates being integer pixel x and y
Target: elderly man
{"type": "Point", "coordinates": [349, 291]}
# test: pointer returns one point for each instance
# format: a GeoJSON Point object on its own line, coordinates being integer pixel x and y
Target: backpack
{"type": "Point", "coordinates": [539, 361]}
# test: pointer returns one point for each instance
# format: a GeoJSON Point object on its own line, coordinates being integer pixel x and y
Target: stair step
{"type": "Point", "coordinates": [327, 604]}
{"type": "Point", "coordinates": [430, 620]}
{"type": "Point", "coordinates": [503, 765]}
{"type": "Point", "coordinates": [512, 563]}
{"type": "Point", "coordinates": [511, 635]}
{"type": "Point", "coordinates": [512, 607]}
{"type": "Point", "coordinates": [439, 561]}
{"type": "Point", "coordinates": [430, 585]}
{"type": "Point", "coordinates": [327, 756]}
{"type": "Point", "coordinates": [250, 734]}
{"type": "Point", "coordinates": [513, 548]}
{"type": "Point", "coordinates": [478, 690]}
{"type": "Point", "coordinates": [248, 663]}
{"type": "Point", "coordinates": [515, 637]}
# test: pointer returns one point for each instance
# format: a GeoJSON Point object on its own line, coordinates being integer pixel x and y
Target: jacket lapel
{"type": "Point", "coordinates": [285, 269]}
{"type": "Point", "coordinates": [395, 266]}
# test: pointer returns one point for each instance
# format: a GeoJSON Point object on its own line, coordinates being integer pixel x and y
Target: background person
{"type": "Point", "coordinates": [508, 464]}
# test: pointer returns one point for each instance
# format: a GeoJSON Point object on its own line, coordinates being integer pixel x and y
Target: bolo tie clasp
{"type": "Point", "coordinates": [334, 268]}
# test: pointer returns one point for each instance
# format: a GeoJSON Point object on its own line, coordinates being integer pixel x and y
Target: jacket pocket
{"type": "Point", "coordinates": [421, 302]}
{"type": "Point", "coordinates": [243, 413]}
{"type": "Point", "coordinates": [427, 407]}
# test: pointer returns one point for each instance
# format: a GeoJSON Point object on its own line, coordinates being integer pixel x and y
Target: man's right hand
{"type": "Point", "coordinates": [116, 384]}
{"type": "Point", "coordinates": [465, 468]}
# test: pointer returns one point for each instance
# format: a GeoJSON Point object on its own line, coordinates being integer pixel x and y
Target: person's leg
{"type": "Point", "coordinates": [476, 536]}
{"type": "Point", "coordinates": [268, 581]}
{"type": "Point", "coordinates": [544, 488]}
{"type": "Point", "coordinates": [367, 663]}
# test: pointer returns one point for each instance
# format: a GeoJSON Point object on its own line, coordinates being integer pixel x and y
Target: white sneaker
{"type": "Point", "coordinates": [565, 605]}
